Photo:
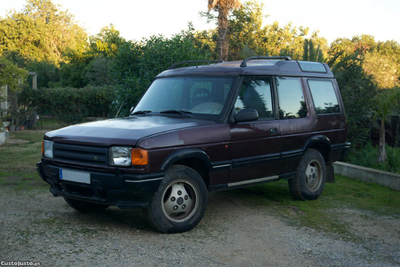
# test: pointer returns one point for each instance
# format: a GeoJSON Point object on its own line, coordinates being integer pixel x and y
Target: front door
{"type": "Point", "coordinates": [255, 145]}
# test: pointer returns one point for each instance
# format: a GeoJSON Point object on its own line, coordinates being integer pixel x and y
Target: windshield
{"type": "Point", "coordinates": [197, 96]}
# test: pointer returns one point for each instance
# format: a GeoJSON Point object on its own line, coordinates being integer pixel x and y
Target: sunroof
{"type": "Point", "coordinates": [312, 66]}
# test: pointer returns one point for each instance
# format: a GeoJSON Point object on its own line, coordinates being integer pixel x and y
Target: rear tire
{"type": "Point", "coordinates": [310, 177]}
{"type": "Point", "coordinates": [85, 207]}
{"type": "Point", "coordinates": [180, 202]}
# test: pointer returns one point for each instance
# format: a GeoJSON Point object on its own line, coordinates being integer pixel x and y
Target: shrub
{"type": "Point", "coordinates": [367, 157]}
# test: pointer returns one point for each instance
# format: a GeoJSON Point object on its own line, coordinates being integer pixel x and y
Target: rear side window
{"type": "Point", "coordinates": [256, 93]}
{"type": "Point", "coordinates": [324, 97]}
{"type": "Point", "coordinates": [291, 98]}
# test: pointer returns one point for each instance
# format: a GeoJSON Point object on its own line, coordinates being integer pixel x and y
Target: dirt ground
{"type": "Point", "coordinates": [35, 226]}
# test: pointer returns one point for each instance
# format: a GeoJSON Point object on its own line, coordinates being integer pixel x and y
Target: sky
{"type": "Point", "coordinates": [137, 19]}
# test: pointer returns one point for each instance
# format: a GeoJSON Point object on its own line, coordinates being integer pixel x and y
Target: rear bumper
{"type": "Point", "coordinates": [124, 191]}
{"type": "Point", "coordinates": [345, 151]}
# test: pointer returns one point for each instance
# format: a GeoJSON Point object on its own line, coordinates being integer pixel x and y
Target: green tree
{"type": "Point", "coordinates": [106, 42]}
{"type": "Point", "coordinates": [96, 72]}
{"type": "Point", "coordinates": [358, 91]}
{"type": "Point", "coordinates": [223, 7]}
{"type": "Point", "coordinates": [138, 63]}
{"type": "Point", "coordinates": [11, 75]}
{"type": "Point", "coordinates": [41, 31]}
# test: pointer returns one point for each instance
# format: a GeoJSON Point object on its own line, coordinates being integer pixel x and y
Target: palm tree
{"type": "Point", "coordinates": [223, 7]}
{"type": "Point", "coordinates": [387, 103]}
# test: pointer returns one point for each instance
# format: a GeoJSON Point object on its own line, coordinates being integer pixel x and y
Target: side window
{"type": "Point", "coordinates": [256, 93]}
{"type": "Point", "coordinates": [291, 98]}
{"type": "Point", "coordinates": [324, 97]}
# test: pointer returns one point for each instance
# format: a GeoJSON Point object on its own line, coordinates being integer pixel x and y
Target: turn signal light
{"type": "Point", "coordinates": [139, 156]}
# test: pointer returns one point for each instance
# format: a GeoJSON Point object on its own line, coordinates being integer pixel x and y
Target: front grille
{"type": "Point", "coordinates": [81, 154]}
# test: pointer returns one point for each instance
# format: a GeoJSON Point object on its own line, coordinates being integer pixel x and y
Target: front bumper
{"type": "Point", "coordinates": [122, 190]}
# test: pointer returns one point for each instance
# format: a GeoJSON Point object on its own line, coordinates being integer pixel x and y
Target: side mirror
{"type": "Point", "coordinates": [247, 114]}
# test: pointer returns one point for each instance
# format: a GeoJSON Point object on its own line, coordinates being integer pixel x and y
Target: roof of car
{"type": "Point", "coordinates": [254, 66]}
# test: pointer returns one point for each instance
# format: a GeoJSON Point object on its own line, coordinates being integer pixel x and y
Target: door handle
{"type": "Point", "coordinates": [273, 131]}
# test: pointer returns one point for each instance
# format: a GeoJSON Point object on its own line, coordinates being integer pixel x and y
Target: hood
{"type": "Point", "coordinates": [122, 131]}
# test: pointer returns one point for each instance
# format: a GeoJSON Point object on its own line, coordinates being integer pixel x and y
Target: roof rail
{"type": "Point", "coordinates": [244, 62]}
{"type": "Point", "coordinates": [194, 61]}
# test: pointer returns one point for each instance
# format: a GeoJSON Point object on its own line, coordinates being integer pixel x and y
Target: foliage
{"type": "Point", "coordinates": [106, 42]}
{"type": "Point", "coordinates": [11, 74]}
{"type": "Point", "coordinates": [379, 60]}
{"type": "Point", "coordinates": [48, 73]}
{"type": "Point", "coordinates": [362, 66]}
{"type": "Point", "coordinates": [71, 105]}
{"type": "Point", "coordinates": [40, 31]}
{"type": "Point", "coordinates": [96, 72]}
{"type": "Point", "coordinates": [366, 156]}
{"type": "Point", "coordinates": [357, 90]}
{"type": "Point", "coordinates": [138, 63]}
{"type": "Point", "coordinates": [248, 36]}
{"type": "Point", "coordinates": [312, 53]}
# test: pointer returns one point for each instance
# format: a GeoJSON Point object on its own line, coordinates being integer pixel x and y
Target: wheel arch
{"type": "Point", "coordinates": [194, 158]}
{"type": "Point", "coordinates": [320, 143]}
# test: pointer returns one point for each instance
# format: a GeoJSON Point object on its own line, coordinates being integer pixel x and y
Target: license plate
{"type": "Point", "coordinates": [75, 176]}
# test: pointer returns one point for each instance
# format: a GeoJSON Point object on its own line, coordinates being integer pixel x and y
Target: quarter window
{"type": "Point", "coordinates": [291, 98]}
{"type": "Point", "coordinates": [324, 97]}
{"type": "Point", "coordinates": [256, 94]}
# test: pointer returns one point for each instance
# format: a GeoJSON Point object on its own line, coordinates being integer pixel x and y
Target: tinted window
{"type": "Point", "coordinates": [256, 93]}
{"type": "Point", "coordinates": [323, 94]}
{"type": "Point", "coordinates": [291, 99]}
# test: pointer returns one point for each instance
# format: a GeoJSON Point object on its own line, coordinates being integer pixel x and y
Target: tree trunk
{"type": "Point", "coordinates": [382, 156]}
{"type": "Point", "coordinates": [223, 41]}
{"type": "Point", "coordinates": [396, 138]}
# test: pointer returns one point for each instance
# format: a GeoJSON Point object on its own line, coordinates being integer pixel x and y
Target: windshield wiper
{"type": "Point", "coordinates": [141, 112]}
{"type": "Point", "coordinates": [178, 111]}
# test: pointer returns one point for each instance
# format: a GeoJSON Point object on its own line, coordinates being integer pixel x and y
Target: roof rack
{"type": "Point", "coordinates": [244, 62]}
{"type": "Point", "coordinates": [194, 61]}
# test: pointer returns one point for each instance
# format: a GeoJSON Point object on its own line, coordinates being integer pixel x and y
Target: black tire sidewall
{"type": "Point", "coordinates": [154, 212]}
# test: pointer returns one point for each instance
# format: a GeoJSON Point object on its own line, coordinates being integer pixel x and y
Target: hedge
{"type": "Point", "coordinates": [71, 105]}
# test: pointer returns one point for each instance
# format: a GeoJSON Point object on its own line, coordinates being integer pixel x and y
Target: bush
{"type": "Point", "coordinates": [71, 105]}
{"type": "Point", "coordinates": [367, 157]}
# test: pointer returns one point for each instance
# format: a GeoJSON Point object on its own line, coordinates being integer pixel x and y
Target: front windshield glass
{"type": "Point", "coordinates": [190, 95]}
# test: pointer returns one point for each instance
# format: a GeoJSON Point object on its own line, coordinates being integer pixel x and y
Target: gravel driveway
{"type": "Point", "coordinates": [35, 226]}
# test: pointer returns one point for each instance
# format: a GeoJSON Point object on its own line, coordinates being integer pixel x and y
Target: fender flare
{"type": "Point", "coordinates": [318, 139]}
{"type": "Point", "coordinates": [185, 154]}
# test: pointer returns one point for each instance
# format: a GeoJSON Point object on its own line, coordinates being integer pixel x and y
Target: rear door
{"type": "Point", "coordinates": [295, 121]}
{"type": "Point", "coordinates": [255, 146]}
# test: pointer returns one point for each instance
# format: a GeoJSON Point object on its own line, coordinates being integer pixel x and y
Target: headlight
{"type": "Point", "coordinates": [120, 156]}
{"type": "Point", "coordinates": [47, 149]}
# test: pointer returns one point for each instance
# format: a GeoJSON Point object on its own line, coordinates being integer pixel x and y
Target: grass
{"type": "Point", "coordinates": [18, 159]}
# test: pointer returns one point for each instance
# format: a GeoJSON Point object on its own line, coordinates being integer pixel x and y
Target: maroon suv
{"type": "Point", "coordinates": [200, 129]}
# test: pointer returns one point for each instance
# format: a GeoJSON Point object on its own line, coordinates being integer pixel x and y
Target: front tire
{"type": "Point", "coordinates": [85, 207]}
{"type": "Point", "coordinates": [180, 202]}
{"type": "Point", "coordinates": [310, 177]}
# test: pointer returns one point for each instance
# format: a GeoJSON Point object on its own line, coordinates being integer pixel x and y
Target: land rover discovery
{"type": "Point", "coordinates": [200, 129]}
